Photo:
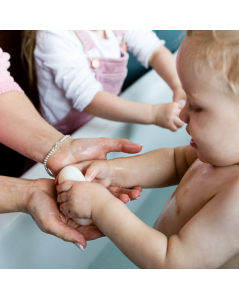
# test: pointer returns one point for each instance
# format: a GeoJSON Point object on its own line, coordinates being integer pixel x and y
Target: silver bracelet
{"type": "Point", "coordinates": [50, 153]}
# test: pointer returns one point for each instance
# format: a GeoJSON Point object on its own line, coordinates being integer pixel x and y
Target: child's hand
{"type": "Point", "coordinates": [166, 115]}
{"type": "Point", "coordinates": [81, 199]}
{"type": "Point", "coordinates": [100, 171]}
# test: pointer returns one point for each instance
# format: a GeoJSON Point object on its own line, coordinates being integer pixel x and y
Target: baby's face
{"type": "Point", "coordinates": [211, 114]}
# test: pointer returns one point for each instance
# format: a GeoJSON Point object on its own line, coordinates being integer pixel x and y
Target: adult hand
{"type": "Point", "coordinates": [125, 195]}
{"type": "Point", "coordinates": [41, 204]}
{"type": "Point", "coordinates": [73, 151]}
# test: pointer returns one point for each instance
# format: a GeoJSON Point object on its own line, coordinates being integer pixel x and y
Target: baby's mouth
{"type": "Point", "coordinates": [193, 144]}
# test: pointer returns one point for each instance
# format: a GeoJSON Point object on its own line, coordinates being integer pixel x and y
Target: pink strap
{"type": "Point", "coordinates": [86, 39]}
{"type": "Point", "coordinates": [119, 32]}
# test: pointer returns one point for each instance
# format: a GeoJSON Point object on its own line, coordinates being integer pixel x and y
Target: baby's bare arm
{"type": "Point", "coordinates": [208, 240]}
{"type": "Point", "coordinates": [154, 169]}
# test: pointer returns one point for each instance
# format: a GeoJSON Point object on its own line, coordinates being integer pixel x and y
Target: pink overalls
{"type": "Point", "coordinates": [110, 72]}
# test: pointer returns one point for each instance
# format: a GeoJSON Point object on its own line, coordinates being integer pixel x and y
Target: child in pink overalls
{"type": "Point", "coordinates": [80, 74]}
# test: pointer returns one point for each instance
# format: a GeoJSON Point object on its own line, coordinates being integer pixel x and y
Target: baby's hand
{"type": "Point", "coordinates": [166, 115]}
{"type": "Point", "coordinates": [81, 199]}
{"type": "Point", "coordinates": [97, 170]}
{"type": "Point", "coordinates": [102, 171]}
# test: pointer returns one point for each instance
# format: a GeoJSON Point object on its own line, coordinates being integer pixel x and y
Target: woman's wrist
{"type": "Point", "coordinates": [39, 146]}
{"type": "Point", "coordinates": [26, 188]}
{"type": "Point", "coordinates": [14, 193]}
{"type": "Point", "coordinates": [61, 157]}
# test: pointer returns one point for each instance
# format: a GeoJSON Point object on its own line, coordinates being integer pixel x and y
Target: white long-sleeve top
{"type": "Point", "coordinates": [64, 77]}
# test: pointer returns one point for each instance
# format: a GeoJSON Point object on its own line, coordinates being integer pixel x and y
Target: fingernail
{"type": "Point", "coordinates": [79, 246]}
{"type": "Point", "coordinates": [88, 178]}
{"type": "Point", "coordinates": [141, 145]}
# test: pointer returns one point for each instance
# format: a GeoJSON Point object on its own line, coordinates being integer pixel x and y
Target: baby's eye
{"type": "Point", "coordinates": [194, 109]}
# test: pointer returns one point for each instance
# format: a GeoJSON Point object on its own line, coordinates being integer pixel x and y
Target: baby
{"type": "Point", "coordinates": [199, 225]}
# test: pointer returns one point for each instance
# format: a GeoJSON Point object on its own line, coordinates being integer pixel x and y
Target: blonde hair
{"type": "Point", "coordinates": [221, 49]}
{"type": "Point", "coordinates": [27, 54]}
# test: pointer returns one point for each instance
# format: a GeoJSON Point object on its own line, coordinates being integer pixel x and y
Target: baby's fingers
{"type": "Point", "coordinates": [63, 197]}
{"type": "Point", "coordinates": [64, 186]}
{"type": "Point", "coordinates": [65, 208]}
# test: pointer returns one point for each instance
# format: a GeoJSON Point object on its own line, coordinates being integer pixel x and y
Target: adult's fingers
{"type": "Point", "coordinates": [57, 228]}
{"type": "Point", "coordinates": [90, 232]}
{"type": "Point", "coordinates": [122, 145]}
{"type": "Point", "coordinates": [137, 188]}
{"type": "Point", "coordinates": [131, 193]}
{"type": "Point", "coordinates": [122, 197]}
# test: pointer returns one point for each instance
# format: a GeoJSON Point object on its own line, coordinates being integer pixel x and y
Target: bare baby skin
{"type": "Point", "coordinates": [199, 225]}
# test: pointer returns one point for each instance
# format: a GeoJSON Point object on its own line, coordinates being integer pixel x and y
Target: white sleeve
{"type": "Point", "coordinates": [62, 54]}
{"type": "Point", "coordinates": [142, 44]}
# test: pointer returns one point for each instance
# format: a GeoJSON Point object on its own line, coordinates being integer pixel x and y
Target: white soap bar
{"type": "Point", "coordinates": [72, 173]}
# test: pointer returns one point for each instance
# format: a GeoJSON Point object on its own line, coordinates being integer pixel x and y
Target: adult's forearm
{"type": "Point", "coordinates": [153, 169]}
{"type": "Point", "coordinates": [111, 107]}
{"type": "Point", "coordinates": [13, 194]}
{"type": "Point", "coordinates": [23, 129]}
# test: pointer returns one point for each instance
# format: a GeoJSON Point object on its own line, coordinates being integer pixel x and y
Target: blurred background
{"type": "Point", "coordinates": [10, 41]}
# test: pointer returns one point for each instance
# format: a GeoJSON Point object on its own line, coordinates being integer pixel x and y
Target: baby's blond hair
{"type": "Point", "coordinates": [221, 49]}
